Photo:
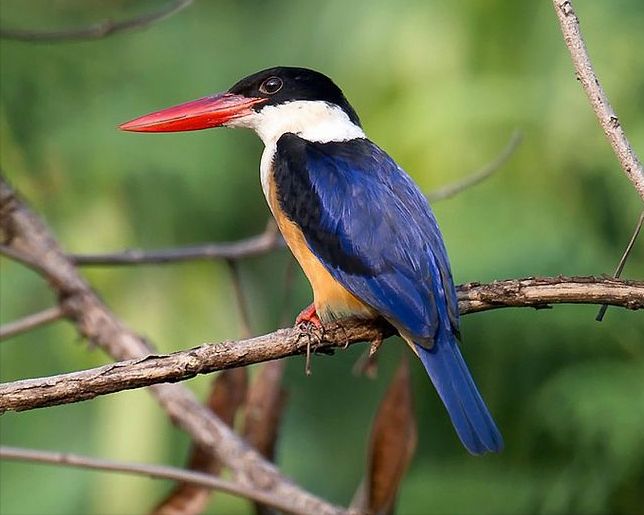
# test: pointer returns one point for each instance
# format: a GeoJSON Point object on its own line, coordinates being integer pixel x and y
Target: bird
{"type": "Point", "coordinates": [358, 225]}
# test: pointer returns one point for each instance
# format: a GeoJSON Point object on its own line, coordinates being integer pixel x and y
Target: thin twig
{"type": "Point", "coordinates": [622, 262]}
{"type": "Point", "coordinates": [253, 246]}
{"type": "Point", "coordinates": [483, 173]}
{"type": "Point", "coordinates": [31, 322]}
{"type": "Point", "coordinates": [153, 471]}
{"type": "Point", "coordinates": [598, 100]}
{"type": "Point", "coordinates": [242, 305]}
{"type": "Point", "coordinates": [98, 30]}
{"type": "Point", "coordinates": [153, 369]}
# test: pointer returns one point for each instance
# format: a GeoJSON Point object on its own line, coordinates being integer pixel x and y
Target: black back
{"type": "Point", "coordinates": [298, 84]}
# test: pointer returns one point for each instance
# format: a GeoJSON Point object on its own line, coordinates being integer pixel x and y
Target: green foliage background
{"type": "Point", "coordinates": [440, 86]}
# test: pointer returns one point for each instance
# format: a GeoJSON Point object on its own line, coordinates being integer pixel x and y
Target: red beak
{"type": "Point", "coordinates": [204, 113]}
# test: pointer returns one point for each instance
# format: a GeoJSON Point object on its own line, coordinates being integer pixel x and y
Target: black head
{"type": "Point", "coordinates": [285, 84]}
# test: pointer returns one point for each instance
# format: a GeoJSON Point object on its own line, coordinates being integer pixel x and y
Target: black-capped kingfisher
{"type": "Point", "coordinates": [358, 225]}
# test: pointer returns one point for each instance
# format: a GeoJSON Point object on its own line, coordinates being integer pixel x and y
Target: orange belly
{"type": "Point", "coordinates": [332, 300]}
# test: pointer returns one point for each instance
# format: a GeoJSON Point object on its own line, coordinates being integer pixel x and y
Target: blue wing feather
{"type": "Point", "coordinates": [377, 213]}
{"type": "Point", "coordinates": [373, 230]}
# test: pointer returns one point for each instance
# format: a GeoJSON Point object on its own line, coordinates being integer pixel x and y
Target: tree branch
{"type": "Point", "coordinates": [253, 246]}
{"type": "Point", "coordinates": [540, 292]}
{"type": "Point", "coordinates": [154, 471]}
{"type": "Point", "coordinates": [480, 175]}
{"type": "Point", "coordinates": [179, 366]}
{"type": "Point", "coordinates": [597, 97]}
{"type": "Point", "coordinates": [31, 322]}
{"type": "Point", "coordinates": [24, 232]}
{"type": "Point", "coordinates": [97, 31]}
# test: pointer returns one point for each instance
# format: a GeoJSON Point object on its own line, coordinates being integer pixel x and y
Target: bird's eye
{"type": "Point", "coordinates": [271, 85]}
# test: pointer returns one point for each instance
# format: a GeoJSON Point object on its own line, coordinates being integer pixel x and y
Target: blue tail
{"type": "Point", "coordinates": [456, 388]}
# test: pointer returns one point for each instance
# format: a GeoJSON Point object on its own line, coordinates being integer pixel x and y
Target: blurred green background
{"type": "Point", "coordinates": [440, 86]}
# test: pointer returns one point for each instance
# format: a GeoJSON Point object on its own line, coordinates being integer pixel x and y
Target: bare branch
{"type": "Point", "coordinates": [31, 322]}
{"type": "Point", "coordinates": [480, 175]}
{"type": "Point", "coordinates": [540, 292]}
{"type": "Point", "coordinates": [97, 31]}
{"type": "Point", "coordinates": [24, 232]}
{"type": "Point", "coordinates": [153, 471]}
{"type": "Point", "coordinates": [253, 246]}
{"type": "Point", "coordinates": [598, 100]}
{"type": "Point", "coordinates": [153, 369]}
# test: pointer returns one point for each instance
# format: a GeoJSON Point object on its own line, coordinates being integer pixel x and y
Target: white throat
{"type": "Point", "coordinates": [310, 120]}
{"type": "Point", "coordinates": [316, 121]}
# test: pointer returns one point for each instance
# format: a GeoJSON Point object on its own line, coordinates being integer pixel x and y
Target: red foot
{"type": "Point", "coordinates": [309, 315]}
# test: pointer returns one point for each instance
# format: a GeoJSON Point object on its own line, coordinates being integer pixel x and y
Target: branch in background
{"type": "Point", "coordinates": [153, 369]}
{"type": "Point", "coordinates": [27, 234]}
{"type": "Point", "coordinates": [226, 396]}
{"type": "Point", "coordinates": [596, 95]}
{"type": "Point", "coordinates": [622, 262]}
{"type": "Point", "coordinates": [264, 407]}
{"type": "Point", "coordinates": [31, 322]}
{"type": "Point", "coordinates": [253, 246]}
{"type": "Point", "coordinates": [480, 175]}
{"type": "Point", "coordinates": [153, 471]}
{"type": "Point", "coordinates": [97, 31]}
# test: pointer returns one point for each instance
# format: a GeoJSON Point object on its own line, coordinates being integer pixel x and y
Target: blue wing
{"type": "Point", "coordinates": [373, 230]}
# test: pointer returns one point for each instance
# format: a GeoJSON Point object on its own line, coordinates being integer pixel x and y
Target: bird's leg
{"type": "Point", "coordinates": [309, 315]}
{"type": "Point", "coordinates": [311, 345]}
{"type": "Point", "coordinates": [307, 365]}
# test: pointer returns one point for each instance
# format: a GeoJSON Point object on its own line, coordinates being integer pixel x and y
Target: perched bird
{"type": "Point", "coordinates": [358, 225]}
